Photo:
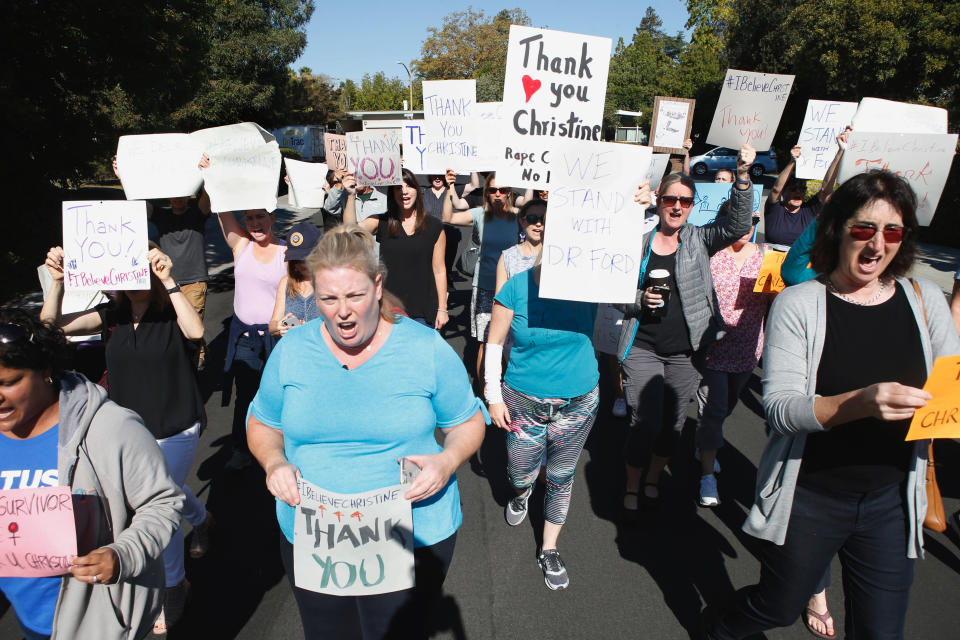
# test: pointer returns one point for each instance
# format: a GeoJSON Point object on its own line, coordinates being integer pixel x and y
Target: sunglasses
{"type": "Point", "coordinates": [533, 218]}
{"type": "Point", "coordinates": [864, 232]}
{"type": "Point", "coordinates": [501, 190]}
{"type": "Point", "coordinates": [685, 201]}
{"type": "Point", "coordinates": [11, 333]}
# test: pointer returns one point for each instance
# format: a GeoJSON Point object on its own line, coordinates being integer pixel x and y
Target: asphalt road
{"type": "Point", "coordinates": [645, 581]}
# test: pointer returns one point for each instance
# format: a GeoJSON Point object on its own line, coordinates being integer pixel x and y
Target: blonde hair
{"type": "Point", "coordinates": [350, 245]}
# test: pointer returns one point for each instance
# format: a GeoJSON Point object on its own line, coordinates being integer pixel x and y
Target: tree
{"type": "Point", "coordinates": [379, 93]}
{"type": "Point", "coordinates": [309, 99]}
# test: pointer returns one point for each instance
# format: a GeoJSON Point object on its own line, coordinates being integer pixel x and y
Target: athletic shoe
{"type": "Point", "coordinates": [708, 491]}
{"type": "Point", "coordinates": [554, 573]}
{"type": "Point", "coordinates": [716, 465]}
{"type": "Point", "coordinates": [516, 509]}
{"type": "Point", "coordinates": [619, 408]}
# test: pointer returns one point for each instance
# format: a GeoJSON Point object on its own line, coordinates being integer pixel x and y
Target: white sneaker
{"type": "Point", "coordinates": [619, 408]}
{"type": "Point", "coordinates": [708, 491]}
{"type": "Point", "coordinates": [516, 509]}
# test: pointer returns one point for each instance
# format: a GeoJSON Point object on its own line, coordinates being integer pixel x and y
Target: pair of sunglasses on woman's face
{"type": "Point", "coordinates": [500, 190]}
{"type": "Point", "coordinates": [685, 201]}
{"type": "Point", "coordinates": [863, 232]}
{"type": "Point", "coordinates": [533, 218]}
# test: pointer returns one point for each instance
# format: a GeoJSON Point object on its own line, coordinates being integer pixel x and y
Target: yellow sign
{"type": "Point", "coordinates": [941, 417]}
{"type": "Point", "coordinates": [769, 280]}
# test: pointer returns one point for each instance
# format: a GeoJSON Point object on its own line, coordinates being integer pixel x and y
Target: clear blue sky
{"type": "Point", "coordinates": [349, 40]}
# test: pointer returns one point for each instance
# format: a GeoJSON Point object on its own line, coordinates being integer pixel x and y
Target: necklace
{"type": "Point", "coordinates": [876, 296]}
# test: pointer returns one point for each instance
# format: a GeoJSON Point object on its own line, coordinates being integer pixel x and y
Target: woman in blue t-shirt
{"type": "Point", "coordinates": [340, 402]}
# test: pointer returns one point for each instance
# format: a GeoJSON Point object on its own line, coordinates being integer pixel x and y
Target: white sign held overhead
{"type": "Point", "coordinates": [658, 166]}
{"type": "Point", "coordinates": [373, 157]}
{"type": "Point", "coordinates": [875, 114]}
{"type": "Point", "coordinates": [244, 167]}
{"type": "Point", "coordinates": [162, 165]}
{"type": "Point", "coordinates": [105, 245]}
{"type": "Point", "coordinates": [749, 109]}
{"type": "Point", "coordinates": [449, 135]}
{"type": "Point", "coordinates": [825, 120]}
{"type": "Point", "coordinates": [670, 127]}
{"type": "Point", "coordinates": [591, 247]}
{"type": "Point", "coordinates": [554, 90]}
{"type": "Point", "coordinates": [306, 183]}
{"type": "Point", "coordinates": [922, 159]}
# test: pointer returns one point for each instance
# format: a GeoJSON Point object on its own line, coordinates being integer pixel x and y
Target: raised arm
{"type": "Point", "coordinates": [203, 201]}
{"type": "Point", "coordinates": [784, 175]}
{"type": "Point", "coordinates": [79, 323]}
{"type": "Point", "coordinates": [440, 278]}
{"type": "Point", "coordinates": [191, 326]}
{"type": "Point", "coordinates": [459, 202]}
{"type": "Point", "coordinates": [471, 186]}
{"type": "Point", "coordinates": [233, 232]}
{"type": "Point", "coordinates": [687, 145]}
{"type": "Point", "coordinates": [728, 229]}
{"type": "Point", "coordinates": [830, 177]}
{"type": "Point", "coordinates": [350, 207]}
{"type": "Point", "coordinates": [519, 200]}
{"type": "Point", "coordinates": [452, 211]}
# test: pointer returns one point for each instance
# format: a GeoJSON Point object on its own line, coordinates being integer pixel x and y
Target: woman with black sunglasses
{"type": "Point", "coordinates": [845, 358]}
{"type": "Point", "coordinates": [670, 321]}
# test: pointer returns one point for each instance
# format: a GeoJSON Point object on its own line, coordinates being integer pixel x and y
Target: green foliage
{"type": "Point", "coordinates": [308, 99]}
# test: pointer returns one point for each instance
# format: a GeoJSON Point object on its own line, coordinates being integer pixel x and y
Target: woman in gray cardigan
{"type": "Point", "coordinates": [661, 333]}
{"type": "Point", "coordinates": [844, 362]}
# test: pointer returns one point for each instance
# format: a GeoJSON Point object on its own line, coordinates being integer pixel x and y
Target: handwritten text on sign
{"type": "Point", "coordinates": [940, 418]}
{"type": "Point", "coordinates": [335, 148]}
{"type": "Point", "coordinates": [105, 243]}
{"type": "Point", "coordinates": [353, 545]}
{"type": "Point", "coordinates": [554, 89]}
{"type": "Point", "coordinates": [922, 159]}
{"type": "Point", "coordinates": [825, 120]}
{"type": "Point", "coordinates": [450, 134]}
{"type": "Point", "coordinates": [37, 533]}
{"type": "Point", "coordinates": [672, 118]}
{"type": "Point", "coordinates": [769, 279]}
{"type": "Point", "coordinates": [244, 167]}
{"type": "Point", "coordinates": [374, 157]}
{"type": "Point", "coordinates": [749, 109]}
{"type": "Point", "coordinates": [162, 165]}
{"type": "Point", "coordinates": [710, 197]}
{"type": "Point", "coordinates": [591, 249]}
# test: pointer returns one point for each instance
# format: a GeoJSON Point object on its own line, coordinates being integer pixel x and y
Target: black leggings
{"type": "Point", "coordinates": [401, 614]}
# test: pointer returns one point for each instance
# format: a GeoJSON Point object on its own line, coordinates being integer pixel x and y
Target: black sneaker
{"type": "Point", "coordinates": [516, 509]}
{"type": "Point", "coordinates": [554, 573]}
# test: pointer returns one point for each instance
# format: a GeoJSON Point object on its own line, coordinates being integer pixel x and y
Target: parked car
{"type": "Point", "coordinates": [726, 158]}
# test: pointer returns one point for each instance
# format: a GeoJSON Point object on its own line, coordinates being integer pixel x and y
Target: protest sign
{"type": "Point", "coordinates": [451, 130]}
{"type": "Point", "coordinates": [38, 536]}
{"type": "Point", "coordinates": [591, 247]}
{"type": "Point", "coordinates": [306, 182]}
{"type": "Point", "coordinates": [105, 245]}
{"type": "Point", "coordinates": [940, 418]}
{"type": "Point", "coordinates": [874, 114]}
{"type": "Point", "coordinates": [922, 159]}
{"type": "Point", "coordinates": [553, 90]}
{"type": "Point", "coordinates": [606, 329]}
{"type": "Point", "coordinates": [658, 167]}
{"type": "Point", "coordinates": [335, 148]}
{"type": "Point", "coordinates": [672, 119]}
{"type": "Point", "coordinates": [244, 167]}
{"type": "Point", "coordinates": [162, 165]}
{"type": "Point", "coordinates": [373, 157]}
{"type": "Point", "coordinates": [825, 120]}
{"type": "Point", "coordinates": [353, 545]}
{"type": "Point", "coordinates": [749, 109]}
{"type": "Point", "coordinates": [769, 280]}
{"type": "Point", "coordinates": [710, 197]}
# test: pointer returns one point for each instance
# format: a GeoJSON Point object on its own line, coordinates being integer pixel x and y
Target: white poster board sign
{"type": "Point", "coordinates": [105, 245]}
{"type": "Point", "coordinates": [450, 126]}
{"type": "Point", "coordinates": [374, 157]}
{"type": "Point", "coordinates": [554, 90]}
{"type": "Point", "coordinates": [824, 121]}
{"type": "Point", "coordinates": [711, 196]}
{"type": "Point", "coordinates": [353, 545]}
{"type": "Point", "coordinates": [162, 165]}
{"type": "Point", "coordinates": [244, 167]}
{"type": "Point", "coordinates": [670, 126]}
{"type": "Point", "coordinates": [606, 329]}
{"type": "Point", "coordinates": [922, 159]}
{"type": "Point", "coordinates": [658, 167]}
{"type": "Point", "coordinates": [591, 248]}
{"type": "Point", "coordinates": [306, 183]}
{"type": "Point", "coordinates": [749, 109]}
{"type": "Point", "coordinates": [875, 114]}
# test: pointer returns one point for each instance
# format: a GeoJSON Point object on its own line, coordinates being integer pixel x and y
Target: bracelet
{"type": "Point", "coordinates": [742, 181]}
{"type": "Point", "coordinates": [173, 289]}
{"type": "Point", "coordinates": [443, 310]}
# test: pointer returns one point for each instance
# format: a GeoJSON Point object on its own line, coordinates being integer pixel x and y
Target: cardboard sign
{"type": "Point", "coordinates": [923, 159]}
{"type": "Point", "coordinates": [162, 165]}
{"type": "Point", "coordinates": [940, 418]}
{"type": "Point", "coordinates": [710, 197]}
{"type": "Point", "coordinates": [38, 536]}
{"type": "Point", "coordinates": [335, 148]}
{"type": "Point", "coordinates": [591, 247]}
{"type": "Point", "coordinates": [749, 109]}
{"type": "Point", "coordinates": [353, 545]}
{"type": "Point", "coordinates": [244, 167]}
{"type": "Point", "coordinates": [825, 120]}
{"type": "Point", "coordinates": [374, 157]}
{"type": "Point", "coordinates": [672, 119]}
{"type": "Point", "coordinates": [554, 90]}
{"type": "Point", "coordinates": [769, 280]}
{"type": "Point", "coordinates": [105, 245]}
{"type": "Point", "coordinates": [606, 329]}
{"type": "Point", "coordinates": [306, 182]}
{"type": "Point", "coordinates": [657, 169]}
{"type": "Point", "coordinates": [874, 114]}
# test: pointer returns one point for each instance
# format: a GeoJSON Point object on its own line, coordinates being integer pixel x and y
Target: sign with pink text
{"type": "Point", "coordinates": [553, 91]}
{"type": "Point", "coordinates": [38, 536]}
{"type": "Point", "coordinates": [749, 109]}
{"type": "Point", "coordinates": [373, 157]}
{"type": "Point", "coordinates": [105, 245]}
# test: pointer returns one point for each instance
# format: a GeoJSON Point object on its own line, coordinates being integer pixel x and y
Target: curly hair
{"type": "Point", "coordinates": [44, 348]}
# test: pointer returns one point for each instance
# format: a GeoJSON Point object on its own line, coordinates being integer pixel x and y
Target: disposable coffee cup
{"type": "Point", "coordinates": [659, 279]}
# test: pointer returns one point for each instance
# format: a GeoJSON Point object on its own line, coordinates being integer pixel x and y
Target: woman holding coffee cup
{"type": "Point", "coordinates": [674, 316]}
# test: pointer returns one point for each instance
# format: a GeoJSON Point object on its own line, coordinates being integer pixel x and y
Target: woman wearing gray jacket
{"type": "Point", "coordinates": [670, 321]}
{"type": "Point", "coordinates": [845, 358]}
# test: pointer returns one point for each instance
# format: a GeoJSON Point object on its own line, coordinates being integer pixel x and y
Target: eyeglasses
{"type": "Point", "coordinates": [533, 218]}
{"type": "Point", "coordinates": [13, 333]}
{"type": "Point", "coordinates": [501, 190]}
{"type": "Point", "coordinates": [863, 232]}
{"type": "Point", "coordinates": [685, 201]}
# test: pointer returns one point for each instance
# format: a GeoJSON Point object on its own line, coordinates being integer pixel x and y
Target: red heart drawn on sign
{"type": "Point", "coordinates": [530, 86]}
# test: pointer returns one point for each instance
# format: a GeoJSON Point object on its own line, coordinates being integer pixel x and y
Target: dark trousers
{"type": "Point", "coordinates": [867, 530]}
{"type": "Point", "coordinates": [400, 615]}
{"type": "Point", "coordinates": [246, 370]}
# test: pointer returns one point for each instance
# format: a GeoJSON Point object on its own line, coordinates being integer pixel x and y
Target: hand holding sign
{"type": "Point", "coordinates": [745, 158]}
{"type": "Point", "coordinates": [162, 267]}
{"type": "Point", "coordinates": [97, 567]}
{"type": "Point", "coordinates": [642, 196]}
{"type": "Point", "coordinates": [891, 400]}
{"type": "Point", "coordinates": [435, 472]}
{"type": "Point", "coordinates": [940, 417]}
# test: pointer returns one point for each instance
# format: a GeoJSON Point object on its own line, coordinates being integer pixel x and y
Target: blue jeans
{"type": "Point", "coordinates": [247, 369]}
{"type": "Point", "coordinates": [868, 531]}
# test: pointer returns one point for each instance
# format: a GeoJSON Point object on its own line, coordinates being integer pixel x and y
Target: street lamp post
{"type": "Point", "coordinates": [409, 85]}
